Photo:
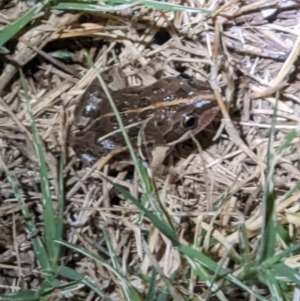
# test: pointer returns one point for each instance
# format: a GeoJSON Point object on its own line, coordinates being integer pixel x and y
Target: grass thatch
{"type": "Point", "coordinates": [223, 227]}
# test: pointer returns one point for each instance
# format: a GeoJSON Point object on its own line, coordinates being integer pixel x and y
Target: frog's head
{"type": "Point", "coordinates": [187, 119]}
{"type": "Point", "coordinates": [187, 110]}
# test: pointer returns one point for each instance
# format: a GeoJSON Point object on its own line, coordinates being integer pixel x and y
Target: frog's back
{"type": "Point", "coordinates": [138, 105]}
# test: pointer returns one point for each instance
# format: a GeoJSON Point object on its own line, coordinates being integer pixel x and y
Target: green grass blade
{"type": "Point", "coordinates": [24, 295]}
{"type": "Point", "coordinates": [284, 237]}
{"type": "Point", "coordinates": [48, 212]}
{"type": "Point", "coordinates": [289, 193]}
{"type": "Point", "coordinates": [269, 230]}
{"type": "Point", "coordinates": [62, 54]}
{"type": "Point", "coordinates": [195, 257]}
{"type": "Point", "coordinates": [268, 239]}
{"type": "Point", "coordinates": [159, 5]}
{"type": "Point", "coordinates": [146, 179]}
{"type": "Point", "coordinates": [152, 284]}
{"type": "Point", "coordinates": [73, 275]}
{"type": "Point", "coordinates": [38, 247]}
{"type": "Point", "coordinates": [162, 296]}
{"type": "Point", "coordinates": [48, 286]}
{"type": "Point", "coordinates": [10, 30]}
{"type": "Point", "coordinates": [165, 294]}
{"type": "Point", "coordinates": [282, 270]}
{"type": "Point", "coordinates": [244, 246]}
{"type": "Point", "coordinates": [61, 201]}
{"type": "Point", "coordinates": [61, 288]}
{"type": "Point", "coordinates": [115, 262]}
{"type": "Point", "coordinates": [286, 143]}
{"type": "Point", "coordinates": [273, 286]}
{"type": "Point", "coordinates": [163, 5]}
{"type": "Point", "coordinates": [204, 276]}
{"type": "Point", "coordinates": [282, 255]}
{"type": "Point", "coordinates": [151, 198]}
{"type": "Point", "coordinates": [128, 289]}
{"type": "Point", "coordinates": [89, 7]}
{"type": "Point", "coordinates": [158, 223]}
{"type": "Point", "coordinates": [112, 254]}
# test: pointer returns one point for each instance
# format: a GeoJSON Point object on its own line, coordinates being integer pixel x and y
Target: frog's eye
{"type": "Point", "coordinates": [196, 85]}
{"type": "Point", "coordinates": [185, 76]}
{"type": "Point", "coordinates": [189, 122]}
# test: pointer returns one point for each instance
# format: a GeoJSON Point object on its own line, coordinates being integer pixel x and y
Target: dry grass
{"type": "Point", "coordinates": [247, 50]}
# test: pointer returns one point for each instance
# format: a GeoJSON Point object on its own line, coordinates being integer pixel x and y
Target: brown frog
{"type": "Point", "coordinates": [159, 115]}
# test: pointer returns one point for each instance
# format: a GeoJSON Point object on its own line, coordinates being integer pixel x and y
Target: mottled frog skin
{"type": "Point", "coordinates": [161, 114]}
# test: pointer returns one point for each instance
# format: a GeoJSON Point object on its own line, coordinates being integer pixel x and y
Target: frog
{"type": "Point", "coordinates": [156, 117]}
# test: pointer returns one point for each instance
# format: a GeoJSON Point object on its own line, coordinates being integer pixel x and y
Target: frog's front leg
{"type": "Point", "coordinates": [153, 140]}
{"type": "Point", "coordinates": [158, 154]}
{"type": "Point", "coordinates": [117, 80]}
